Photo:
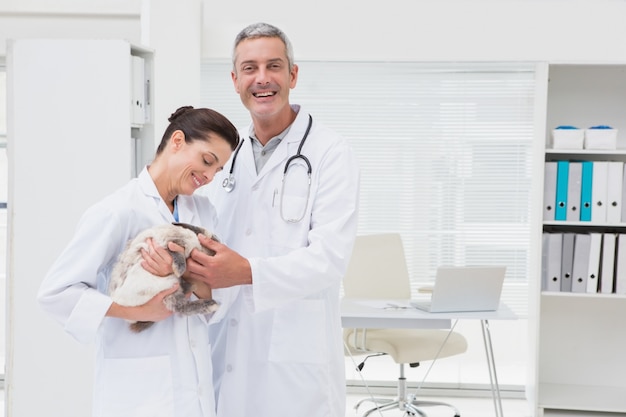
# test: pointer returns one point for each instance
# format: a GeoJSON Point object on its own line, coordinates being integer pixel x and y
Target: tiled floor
{"type": "Point", "coordinates": [468, 407]}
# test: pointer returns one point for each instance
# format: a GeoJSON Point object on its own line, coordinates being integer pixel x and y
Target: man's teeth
{"type": "Point", "coordinates": [264, 94]}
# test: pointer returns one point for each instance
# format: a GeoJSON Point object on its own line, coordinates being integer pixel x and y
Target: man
{"type": "Point", "coordinates": [279, 351]}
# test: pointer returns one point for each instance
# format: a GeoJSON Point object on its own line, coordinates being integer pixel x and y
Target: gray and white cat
{"type": "Point", "coordinates": [132, 285]}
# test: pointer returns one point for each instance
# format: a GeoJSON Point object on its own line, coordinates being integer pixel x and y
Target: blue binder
{"type": "Point", "coordinates": [585, 191]}
{"type": "Point", "coordinates": [562, 174]}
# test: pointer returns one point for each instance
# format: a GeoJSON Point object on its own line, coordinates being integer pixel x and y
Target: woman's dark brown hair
{"type": "Point", "coordinates": [197, 124]}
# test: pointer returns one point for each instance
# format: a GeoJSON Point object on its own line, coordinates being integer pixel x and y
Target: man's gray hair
{"type": "Point", "coordinates": [263, 30]}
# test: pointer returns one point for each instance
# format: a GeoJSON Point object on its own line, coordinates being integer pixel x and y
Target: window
{"type": "Point", "coordinates": [445, 156]}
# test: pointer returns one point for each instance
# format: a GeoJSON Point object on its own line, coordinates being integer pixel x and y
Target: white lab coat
{"type": "Point", "coordinates": [162, 371]}
{"type": "Point", "coordinates": [279, 350]}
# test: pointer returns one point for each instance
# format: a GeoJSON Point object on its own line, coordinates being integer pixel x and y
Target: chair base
{"type": "Point", "coordinates": [411, 408]}
{"type": "Point", "coordinates": [405, 402]}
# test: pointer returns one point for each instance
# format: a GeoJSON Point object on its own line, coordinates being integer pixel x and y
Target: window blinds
{"type": "Point", "coordinates": [3, 108]}
{"type": "Point", "coordinates": [444, 151]}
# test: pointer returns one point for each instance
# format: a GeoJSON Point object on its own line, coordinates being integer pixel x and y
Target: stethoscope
{"type": "Point", "coordinates": [229, 182]}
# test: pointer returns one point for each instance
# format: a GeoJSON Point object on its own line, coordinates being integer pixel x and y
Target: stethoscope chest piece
{"type": "Point", "coordinates": [229, 183]}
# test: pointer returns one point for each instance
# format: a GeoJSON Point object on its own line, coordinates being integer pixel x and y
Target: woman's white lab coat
{"type": "Point", "coordinates": [279, 350]}
{"type": "Point", "coordinates": [162, 371]}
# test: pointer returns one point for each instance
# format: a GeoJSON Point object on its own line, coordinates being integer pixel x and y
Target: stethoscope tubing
{"type": "Point", "coordinates": [229, 182]}
{"type": "Point", "coordinates": [299, 153]}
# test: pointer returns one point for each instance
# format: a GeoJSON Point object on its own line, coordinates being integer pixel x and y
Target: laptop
{"type": "Point", "coordinates": [464, 288]}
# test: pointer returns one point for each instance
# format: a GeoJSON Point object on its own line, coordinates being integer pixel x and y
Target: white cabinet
{"type": "Point", "coordinates": [579, 339]}
{"type": "Point", "coordinates": [69, 144]}
{"type": "Point", "coordinates": [141, 108]}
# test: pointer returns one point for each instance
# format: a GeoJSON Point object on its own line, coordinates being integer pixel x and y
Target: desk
{"type": "Point", "coordinates": [398, 314]}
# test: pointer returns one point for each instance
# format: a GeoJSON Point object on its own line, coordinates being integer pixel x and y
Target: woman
{"type": "Point", "coordinates": [165, 370]}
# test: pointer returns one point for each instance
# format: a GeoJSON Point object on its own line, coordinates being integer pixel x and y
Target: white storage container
{"type": "Point", "coordinates": [568, 138]}
{"type": "Point", "coordinates": [601, 139]}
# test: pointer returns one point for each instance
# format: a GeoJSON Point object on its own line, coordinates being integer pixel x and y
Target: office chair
{"type": "Point", "coordinates": [377, 269]}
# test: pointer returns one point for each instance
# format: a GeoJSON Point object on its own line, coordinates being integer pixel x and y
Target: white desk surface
{"type": "Point", "coordinates": [399, 314]}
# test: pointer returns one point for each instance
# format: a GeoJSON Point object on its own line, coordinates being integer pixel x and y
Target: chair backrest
{"type": "Point", "coordinates": [377, 268]}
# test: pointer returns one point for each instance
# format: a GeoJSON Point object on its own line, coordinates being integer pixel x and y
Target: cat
{"type": "Point", "coordinates": [132, 285]}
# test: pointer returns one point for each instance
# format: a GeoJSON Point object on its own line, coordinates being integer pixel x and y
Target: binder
{"type": "Point", "coordinates": [598, 191]}
{"type": "Point", "coordinates": [582, 244]}
{"type": "Point", "coordinates": [624, 197]}
{"type": "Point", "coordinates": [607, 266]}
{"type": "Point", "coordinates": [545, 254]}
{"type": "Point", "coordinates": [620, 265]}
{"type": "Point", "coordinates": [562, 175]}
{"type": "Point", "coordinates": [549, 190]}
{"type": "Point", "coordinates": [595, 251]}
{"type": "Point", "coordinates": [585, 191]}
{"type": "Point", "coordinates": [615, 175]}
{"type": "Point", "coordinates": [574, 179]}
{"type": "Point", "coordinates": [552, 254]}
{"type": "Point", "coordinates": [567, 261]}
{"type": "Point", "coordinates": [138, 114]}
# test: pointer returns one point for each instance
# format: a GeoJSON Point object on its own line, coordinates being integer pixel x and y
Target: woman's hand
{"type": "Point", "coordinates": [158, 260]}
{"type": "Point", "coordinates": [153, 310]}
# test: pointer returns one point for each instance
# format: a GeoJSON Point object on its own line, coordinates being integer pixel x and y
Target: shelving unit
{"type": "Point", "coordinates": [580, 338]}
{"type": "Point", "coordinates": [142, 120]}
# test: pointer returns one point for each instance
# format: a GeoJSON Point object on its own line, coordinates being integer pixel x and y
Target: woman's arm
{"type": "Point", "coordinates": [153, 310]}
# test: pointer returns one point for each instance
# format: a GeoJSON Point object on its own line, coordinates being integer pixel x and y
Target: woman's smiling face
{"type": "Point", "coordinates": [195, 163]}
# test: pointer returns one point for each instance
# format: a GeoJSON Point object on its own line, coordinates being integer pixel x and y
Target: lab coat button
{"type": "Point", "coordinates": [233, 322]}
{"type": "Point", "coordinates": [229, 368]}
{"type": "Point", "coordinates": [248, 232]}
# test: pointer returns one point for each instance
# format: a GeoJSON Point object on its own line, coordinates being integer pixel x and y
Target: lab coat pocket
{"type": "Point", "coordinates": [299, 333]}
{"type": "Point", "coordinates": [136, 387]}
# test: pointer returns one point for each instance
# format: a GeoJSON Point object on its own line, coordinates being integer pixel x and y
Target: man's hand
{"type": "Point", "coordinates": [225, 269]}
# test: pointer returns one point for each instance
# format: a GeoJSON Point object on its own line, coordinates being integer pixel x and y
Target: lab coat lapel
{"type": "Point", "coordinates": [149, 189]}
{"type": "Point", "coordinates": [288, 146]}
{"type": "Point", "coordinates": [187, 210]}
{"type": "Point", "coordinates": [245, 160]}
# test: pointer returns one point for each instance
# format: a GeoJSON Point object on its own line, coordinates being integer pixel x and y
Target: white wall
{"type": "Point", "coordinates": [439, 30]}
{"type": "Point", "coordinates": [403, 30]}
{"type": "Point", "coordinates": [106, 19]}
{"type": "Point", "coordinates": [174, 31]}
{"type": "Point", "coordinates": [361, 30]}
